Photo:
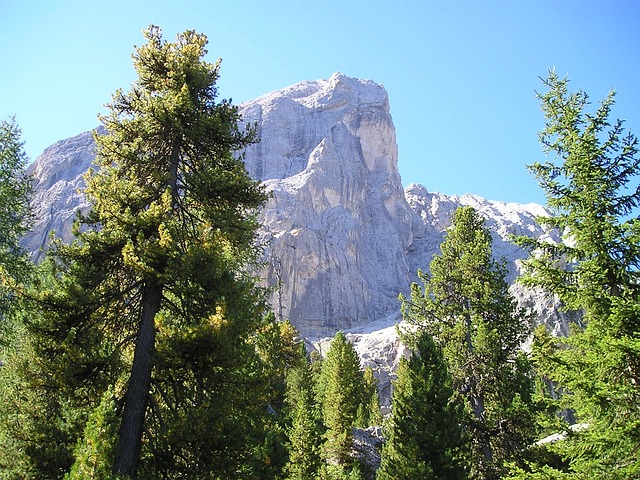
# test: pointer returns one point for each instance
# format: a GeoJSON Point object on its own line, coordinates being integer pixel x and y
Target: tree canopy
{"type": "Point", "coordinates": [154, 301]}
{"type": "Point", "coordinates": [465, 305]}
{"type": "Point", "coordinates": [592, 187]}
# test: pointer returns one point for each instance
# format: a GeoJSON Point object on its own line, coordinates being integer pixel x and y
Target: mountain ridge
{"type": "Point", "coordinates": [343, 237]}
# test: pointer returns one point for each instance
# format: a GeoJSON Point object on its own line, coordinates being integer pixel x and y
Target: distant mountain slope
{"type": "Point", "coordinates": [343, 237]}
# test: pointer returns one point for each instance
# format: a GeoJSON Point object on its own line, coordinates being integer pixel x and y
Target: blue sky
{"type": "Point", "coordinates": [461, 75]}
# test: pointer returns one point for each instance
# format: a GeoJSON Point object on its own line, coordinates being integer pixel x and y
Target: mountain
{"type": "Point", "coordinates": [342, 237]}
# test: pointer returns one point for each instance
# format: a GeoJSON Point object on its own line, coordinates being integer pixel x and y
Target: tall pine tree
{"type": "Point", "coordinates": [425, 437]}
{"type": "Point", "coordinates": [467, 308]}
{"type": "Point", "coordinates": [341, 396]}
{"type": "Point", "coordinates": [593, 190]}
{"type": "Point", "coordinates": [174, 200]}
{"type": "Point", "coordinates": [154, 298]}
{"type": "Point", "coordinates": [15, 213]}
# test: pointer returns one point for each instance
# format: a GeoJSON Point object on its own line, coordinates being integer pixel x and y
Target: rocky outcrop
{"type": "Point", "coordinates": [505, 220]}
{"type": "Point", "coordinates": [337, 226]}
{"type": "Point", "coordinates": [342, 237]}
{"type": "Point", "coordinates": [58, 175]}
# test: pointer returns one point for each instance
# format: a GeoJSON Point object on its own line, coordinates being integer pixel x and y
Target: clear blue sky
{"type": "Point", "coordinates": [461, 75]}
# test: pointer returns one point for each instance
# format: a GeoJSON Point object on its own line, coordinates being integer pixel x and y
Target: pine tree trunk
{"type": "Point", "coordinates": [477, 402]}
{"type": "Point", "coordinates": [136, 400]}
{"type": "Point", "coordinates": [131, 428]}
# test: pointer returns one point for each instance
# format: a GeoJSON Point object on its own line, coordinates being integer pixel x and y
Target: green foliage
{"type": "Point", "coordinates": [341, 472]}
{"type": "Point", "coordinates": [466, 307]}
{"type": "Point", "coordinates": [280, 351]}
{"type": "Point", "coordinates": [282, 354]}
{"type": "Point", "coordinates": [153, 300]}
{"type": "Point", "coordinates": [15, 188]}
{"type": "Point", "coordinates": [592, 187]}
{"type": "Point", "coordinates": [210, 412]}
{"type": "Point", "coordinates": [424, 437]}
{"type": "Point", "coordinates": [15, 270]}
{"type": "Point", "coordinates": [15, 215]}
{"type": "Point", "coordinates": [14, 392]}
{"type": "Point", "coordinates": [305, 430]}
{"type": "Point", "coordinates": [54, 377]}
{"type": "Point", "coordinates": [369, 412]}
{"type": "Point", "coordinates": [342, 395]}
{"type": "Point", "coordinates": [95, 452]}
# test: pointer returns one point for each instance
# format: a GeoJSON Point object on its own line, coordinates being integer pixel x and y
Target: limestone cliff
{"type": "Point", "coordinates": [58, 182]}
{"type": "Point", "coordinates": [342, 236]}
{"type": "Point", "coordinates": [338, 226]}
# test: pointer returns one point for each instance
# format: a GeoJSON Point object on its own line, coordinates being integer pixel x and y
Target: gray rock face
{"type": "Point", "coordinates": [342, 237]}
{"type": "Point", "coordinates": [503, 219]}
{"type": "Point", "coordinates": [58, 180]}
{"type": "Point", "coordinates": [338, 226]}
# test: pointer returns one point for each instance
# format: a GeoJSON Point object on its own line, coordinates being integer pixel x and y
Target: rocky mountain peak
{"type": "Point", "coordinates": [58, 175]}
{"type": "Point", "coordinates": [338, 216]}
{"type": "Point", "coordinates": [343, 237]}
{"type": "Point", "coordinates": [292, 122]}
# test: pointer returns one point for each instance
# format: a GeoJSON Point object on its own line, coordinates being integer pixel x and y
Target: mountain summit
{"type": "Point", "coordinates": [342, 238]}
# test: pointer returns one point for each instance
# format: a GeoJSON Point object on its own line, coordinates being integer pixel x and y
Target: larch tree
{"type": "Point", "coordinates": [424, 436]}
{"type": "Point", "coordinates": [592, 187]}
{"type": "Point", "coordinates": [154, 300]}
{"type": "Point", "coordinates": [465, 305]}
{"type": "Point", "coordinates": [15, 271]}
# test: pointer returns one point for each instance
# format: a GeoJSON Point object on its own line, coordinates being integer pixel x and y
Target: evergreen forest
{"type": "Point", "coordinates": [146, 348]}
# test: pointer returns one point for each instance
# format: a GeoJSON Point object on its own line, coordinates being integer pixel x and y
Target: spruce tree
{"type": "Point", "coordinates": [466, 307]}
{"type": "Point", "coordinates": [305, 430]}
{"type": "Point", "coordinates": [424, 437]}
{"type": "Point", "coordinates": [341, 397]}
{"type": "Point", "coordinates": [592, 188]}
{"type": "Point", "coordinates": [154, 298]}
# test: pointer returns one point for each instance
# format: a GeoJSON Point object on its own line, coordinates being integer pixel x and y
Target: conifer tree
{"type": "Point", "coordinates": [466, 306]}
{"type": "Point", "coordinates": [15, 272]}
{"type": "Point", "coordinates": [424, 437]}
{"type": "Point", "coordinates": [15, 213]}
{"type": "Point", "coordinates": [342, 395]}
{"type": "Point", "coordinates": [281, 350]}
{"type": "Point", "coordinates": [369, 412]}
{"type": "Point", "coordinates": [154, 298]}
{"type": "Point", "coordinates": [284, 355]}
{"type": "Point", "coordinates": [593, 190]}
{"type": "Point", "coordinates": [305, 430]}
{"type": "Point", "coordinates": [173, 198]}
